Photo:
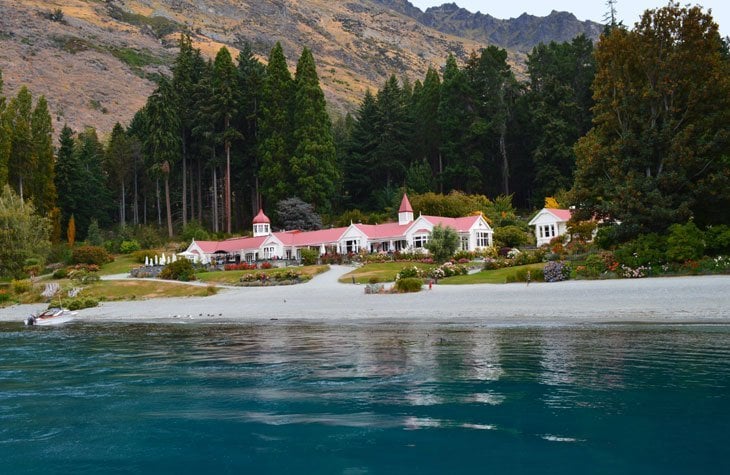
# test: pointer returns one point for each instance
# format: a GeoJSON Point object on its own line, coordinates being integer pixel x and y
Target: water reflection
{"type": "Point", "coordinates": [304, 388]}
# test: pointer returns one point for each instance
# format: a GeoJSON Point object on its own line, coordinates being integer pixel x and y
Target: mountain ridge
{"type": "Point", "coordinates": [96, 64]}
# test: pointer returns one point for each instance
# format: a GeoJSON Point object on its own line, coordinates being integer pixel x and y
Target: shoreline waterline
{"type": "Point", "coordinates": [676, 300]}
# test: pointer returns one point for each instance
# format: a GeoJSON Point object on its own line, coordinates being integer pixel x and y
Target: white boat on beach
{"type": "Point", "coordinates": [51, 316]}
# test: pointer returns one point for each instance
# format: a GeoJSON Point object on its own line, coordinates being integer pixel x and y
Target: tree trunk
{"type": "Point", "coordinates": [228, 187]}
{"type": "Point", "coordinates": [159, 205]}
{"type": "Point", "coordinates": [184, 182]}
{"type": "Point", "coordinates": [200, 195]}
{"type": "Point", "coordinates": [122, 206]}
{"type": "Point", "coordinates": [167, 203]}
{"type": "Point", "coordinates": [505, 161]}
{"type": "Point", "coordinates": [136, 197]}
{"type": "Point", "coordinates": [215, 200]}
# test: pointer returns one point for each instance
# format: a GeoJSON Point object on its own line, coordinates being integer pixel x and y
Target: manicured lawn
{"type": "Point", "coordinates": [122, 264]}
{"type": "Point", "coordinates": [232, 277]}
{"type": "Point", "coordinates": [384, 272]}
{"type": "Point", "coordinates": [141, 289]}
{"type": "Point", "coordinates": [496, 276]}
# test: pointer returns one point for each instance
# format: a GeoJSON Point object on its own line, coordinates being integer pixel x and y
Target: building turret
{"type": "Point", "coordinates": [405, 212]}
{"type": "Point", "coordinates": [261, 224]}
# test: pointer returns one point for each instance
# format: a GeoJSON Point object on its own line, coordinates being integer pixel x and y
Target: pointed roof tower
{"type": "Point", "coordinates": [261, 224]}
{"type": "Point", "coordinates": [405, 212]}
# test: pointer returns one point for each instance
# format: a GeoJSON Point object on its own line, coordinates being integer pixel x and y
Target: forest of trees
{"type": "Point", "coordinates": [220, 138]}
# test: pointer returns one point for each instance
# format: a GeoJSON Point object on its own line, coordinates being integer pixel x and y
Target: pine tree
{"type": "Point", "coordinates": [251, 75]}
{"type": "Point", "coordinates": [225, 82]}
{"type": "Point", "coordinates": [456, 111]}
{"type": "Point", "coordinates": [68, 176]}
{"type": "Point", "coordinates": [358, 170]}
{"type": "Point", "coordinates": [162, 142]}
{"type": "Point", "coordinates": [21, 161]}
{"type": "Point", "coordinates": [118, 163]}
{"type": "Point", "coordinates": [94, 199]}
{"type": "Point", "coordinates": [427, 131]}
{"type": "Point", "coordinates": [275, 129]}
{"type": "Point", "coordinates": [313, 164]}
{"type": "Point", "coordinates": [5, 139]}
{"type": "Point", "coordinates": [43, 189]}
{"type": "Point", "coordinates": [186, 73]}
{"type": "Point", "coordinates": [392, 154]}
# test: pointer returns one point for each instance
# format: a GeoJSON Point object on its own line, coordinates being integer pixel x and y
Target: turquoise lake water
{"type": "Point", "coordinates": [368, 398]}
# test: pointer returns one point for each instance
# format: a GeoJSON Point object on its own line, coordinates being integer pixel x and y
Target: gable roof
{"type": "Point", "coordinates": [383, 231]}
{"type": "Point", "coordinates": [562, 215]}
{"type": "Point", "coordinates": [461, 225]}
{"type": "Point", "coordinates": [231, 245]}
{"type": "Point", "coordinates": [310, 238]}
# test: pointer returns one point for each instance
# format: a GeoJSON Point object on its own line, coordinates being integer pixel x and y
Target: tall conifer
{"type": "Point", "coordinates": [275, 130]}
{"type": "Point", "coordinates": [43, 191]}
{"type": "Point", "coordinates": [313, 164]}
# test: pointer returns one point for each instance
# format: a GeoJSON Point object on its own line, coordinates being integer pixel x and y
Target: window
{"type": "Point", "coordinates": [547, 231]}
{"type": "Point", "coordinates": [464, 243]}
{"type": "Point", "coordinates": [352, 246]}
{"type": "Point", "coordinates": [269, 252]}
{"type": "Point", "coordinates": [420, 241]}
{"type": "Point", "coordinates": [482, 239]}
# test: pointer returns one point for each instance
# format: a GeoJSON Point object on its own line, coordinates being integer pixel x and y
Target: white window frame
{"type": "Point", "coordinates": [420, 240]}
{"type": "Point", "coordinates": [482, 239]}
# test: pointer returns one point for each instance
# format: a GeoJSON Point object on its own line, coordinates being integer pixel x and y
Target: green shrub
{"type": "Point", "coordinates": [510, 236]}
{"type": "Point", "coordinates": [128, 247]}
{"type": "Point", "coordinates": [520, 275]}
{"type": "Point", "coordinates": [685, 242]}
{"type": "Point", "coordinates": [408, 284]}
{"type": "Point", "coordinates": [79, 303]}
{"type": "Point", "coordinates": [182, 270]}
{"type": "Point", "coordinates": [717, 240]}
{"type": "Point", "coordinates": [93, 234]}
{"type": "Point", "coordinates": [194, 230]}
{"type": "Point", "coordinates": [595, 265]}
{"type": "Point", "coordinates": [645, 251]}
{"type": "Point", "coordinates": [4, 295]}
{"type": "Point", "coordinates": [139, 256]}
{"type": "Point", "coordinates": [606, 237]}
{"type": "Point", "coordinates": [61, 273]}
{"type": "Point", "coordinates": [21, 286]}
{"type": "Point", "coordinates": [309, 257]}
{"type": "Point", "coordinates": [91, 255]}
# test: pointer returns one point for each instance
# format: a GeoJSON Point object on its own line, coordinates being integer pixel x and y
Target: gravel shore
{"type": "Point", "coordinates": [675, 300]}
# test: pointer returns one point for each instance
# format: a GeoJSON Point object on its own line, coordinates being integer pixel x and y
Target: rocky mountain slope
{"type": "Point", "coordinates": [96, 62]}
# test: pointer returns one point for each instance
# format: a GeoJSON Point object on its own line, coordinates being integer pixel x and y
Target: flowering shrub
{"type": "Point", "coordinates": [240, 266]}
{"type": "Point", "coordinates": [716, 264]}
{"type": "Point", "coordinates": [635, 273]}
{"type": "Point", "coordinates": [556, 271]}
{"type": "Point", "coordinates": [266, 265]}
{"type": "Point", "coordinates": [512, 253]}
{"type": "Point", "coordinates": [336, 258]}
{"type": "Point", "coordinates": [21, 286]}
{"type": "Point", "coordinates": [408, 284]}
{"type": "Point", "coordinates": [463, 260]}
{"type": "Point", "coordinates": [4, 295]}
{"type": "Point", "coordinates": [447, 270]}
{"type": "Point", "coordinates": [409, 272]}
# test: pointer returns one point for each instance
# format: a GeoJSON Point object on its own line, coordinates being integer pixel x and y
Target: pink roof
{"type": "Point", "coordinates": [231, 245]}
{"type": "Point", "coordinates": [383, 231]}
{"type": "Point", "coordinates": [561, 214]}
{"type": "Point", "coordinates": [460, 224]}
{"type": "Point", "coordinates": [261, 218]}
{"type": "Point", "coordinates": [310, 238]}
{"type": "Point", "coordinates": [405, 205]}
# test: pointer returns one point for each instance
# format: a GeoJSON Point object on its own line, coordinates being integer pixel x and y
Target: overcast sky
{"type": "Point", "coordinates": [628, 10]}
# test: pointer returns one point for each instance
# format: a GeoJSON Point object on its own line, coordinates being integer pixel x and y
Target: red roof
{"type": "Point", "coordinates": [561, 214]}
{"type": "Point", "coordinates": [261, 218]}
{"type": "Point", "coordinates": [405, 205]}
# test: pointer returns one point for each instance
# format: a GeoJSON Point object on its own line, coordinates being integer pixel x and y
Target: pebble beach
{"type": "Point", "coordinates": [670, 300]}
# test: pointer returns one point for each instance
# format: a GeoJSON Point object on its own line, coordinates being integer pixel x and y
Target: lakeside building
{"type": "Point", "coordinates": [550, 223]}
{"type": "Point", "coordinates": [409, 234]}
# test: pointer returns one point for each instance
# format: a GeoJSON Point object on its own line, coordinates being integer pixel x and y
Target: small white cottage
{"type": "Point", "coordinates": [550, 223]}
